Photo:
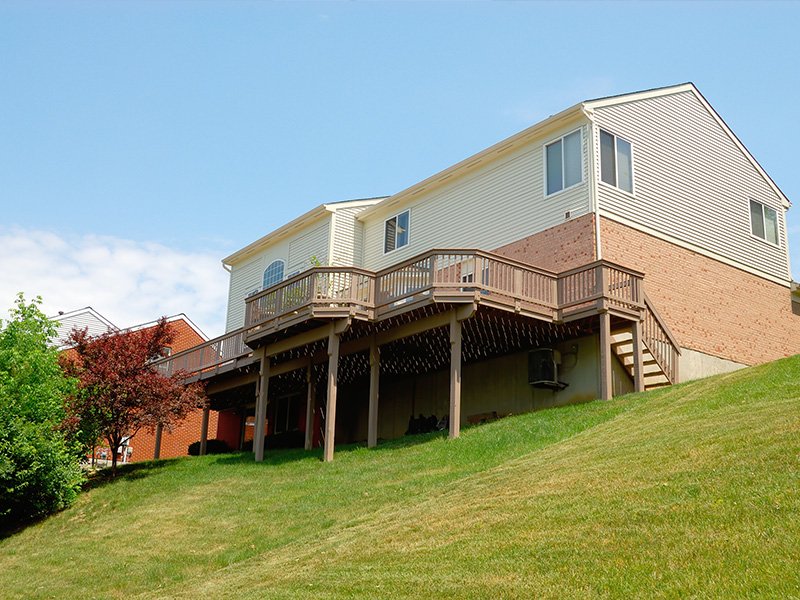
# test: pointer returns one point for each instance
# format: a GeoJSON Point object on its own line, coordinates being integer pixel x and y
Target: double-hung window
{"type": "Point", "coordinates": [764, 222]}
{"type": "Point", "coordinates": [564, 162]}
{"type": "Point", "coordinates": [616, 161]}
{"type": "Point", "coordinates": [396, 232]}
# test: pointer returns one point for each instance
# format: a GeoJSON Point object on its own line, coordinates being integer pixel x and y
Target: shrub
{"type": "Point", "coordinates": [39, 471]}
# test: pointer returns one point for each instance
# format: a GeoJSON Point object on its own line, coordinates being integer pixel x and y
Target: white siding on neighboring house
{"type": "Point", "coordinates": [302, 248]}
{"type": "Point", "coordinates": [84, 318]}
{"type": "Point", "coordinates": [246, 277]}
{"type": "Point", "coordinates": [485, 209]}
{"type": "Point", "coordinates": [691, 181]}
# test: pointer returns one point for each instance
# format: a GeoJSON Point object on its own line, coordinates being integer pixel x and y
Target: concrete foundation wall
{"type": "Point", "coordinates": [696, 365]}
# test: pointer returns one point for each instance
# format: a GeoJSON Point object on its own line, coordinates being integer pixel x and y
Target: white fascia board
{"type": "Point", "coordinates": [312, 216]}
{"type": "Point", "coordinates": [591, 105]}
{"type": "Point", "coordinates": [300, 222]}
{"type": "Point", "coordinates": [480, 159]}
{"type": "Point", "coordinates": [86, 310]}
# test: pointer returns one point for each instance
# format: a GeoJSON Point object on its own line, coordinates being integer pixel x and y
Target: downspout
{"type": "Point", "coordinates": [589, 114]}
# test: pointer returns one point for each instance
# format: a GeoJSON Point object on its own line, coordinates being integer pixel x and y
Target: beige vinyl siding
{"type": "Point", "coordinates": [245, 278]}
{"type": "Point", "coordinates": [691, 181]}
{"type": "Point", "coordinates": [312, 244]}
{"type": "Point", "coordinates": [485, 209]}
{"type": "Point", "coordinates": [347, 238]}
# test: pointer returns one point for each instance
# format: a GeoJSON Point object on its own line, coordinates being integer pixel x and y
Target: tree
{"type": "Point", "coordinates": [120, 391]}
{"type": "Point", "coordinates": [39, 471]}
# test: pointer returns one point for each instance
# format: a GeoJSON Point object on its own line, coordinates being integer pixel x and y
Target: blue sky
{"type": "Point", "coordinates": [142, 142]}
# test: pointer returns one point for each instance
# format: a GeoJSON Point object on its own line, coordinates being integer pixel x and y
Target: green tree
{"type": "Point", "coordinates": [39, 472]}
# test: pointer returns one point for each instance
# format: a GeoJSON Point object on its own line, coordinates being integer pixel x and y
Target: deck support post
{"type": "Point", "coordinates": [374, 385]}
{"type": "Point", "coordinates": [638, 361]}
{"type": "Point", "coordinates": [157, 449]}
{"type": "Point", "coordinates": [606, 391]}
{"type": "Point", "coordinates": [455, 376]}
{"type": "Point", "coordinates": [310, 403]}
{"type": "Point", "coordinates": [261, 409]}
{"type": "Point", "coordinates": [204, 431]}
{"type": "Point", "coordinates": [333, 380]}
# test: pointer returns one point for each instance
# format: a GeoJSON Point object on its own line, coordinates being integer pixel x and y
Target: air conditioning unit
{"type": "Point", "coordinates": [543, 368]}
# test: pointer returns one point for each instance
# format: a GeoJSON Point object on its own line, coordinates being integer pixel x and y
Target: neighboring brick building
{"type": "Point", "coordinates": [187, 335]}
{"type": "Point", "coordinates": [634, 242]}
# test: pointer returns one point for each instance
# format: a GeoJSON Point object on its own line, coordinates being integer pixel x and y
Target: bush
{"type": "Point", "coordinates": [37, 474]}
{"type": "Point", "coordinates": [212, 447]}
{"type": "Point", "coordinates": [39, 471]}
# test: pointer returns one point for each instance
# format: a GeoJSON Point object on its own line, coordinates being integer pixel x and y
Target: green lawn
{"type": "Point", "coordinates": [687, 492]}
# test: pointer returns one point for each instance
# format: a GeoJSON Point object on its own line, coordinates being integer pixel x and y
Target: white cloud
{"type": "Point", "coordinates": [127, 282]}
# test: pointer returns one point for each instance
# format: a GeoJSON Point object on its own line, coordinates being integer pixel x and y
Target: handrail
{"type": "Point", "coordinates": [651, 307]}
{"type": "Point", "coordinates": [443, 273]}
{"type": "Point", "coordinates": [658, 339]}
{"type": "Point", "coordinates": [207, 355]}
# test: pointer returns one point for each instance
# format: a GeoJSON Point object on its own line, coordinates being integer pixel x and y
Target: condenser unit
{"type": "Point", "coordinates": [543, 366]}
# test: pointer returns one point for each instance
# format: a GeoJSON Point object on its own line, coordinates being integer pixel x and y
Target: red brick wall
{"type": "Point", "coordinates": [559, 248]}
{"type": "Point", "coordinates": [709, 306]}
{"type": "Point", "coordinates": [176, 443]}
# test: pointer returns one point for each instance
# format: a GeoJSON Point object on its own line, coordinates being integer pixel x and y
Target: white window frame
{"type": "Point", "coordinates": [764, 223]}
{"type": "Point", "coordinates": [408, 231]}
{"type": "Point", "coordinates": [563, 170]}
{"type": "Point", "coordinates": [269, 266]}
{"type": "Point", "coordinates": [615, 185]}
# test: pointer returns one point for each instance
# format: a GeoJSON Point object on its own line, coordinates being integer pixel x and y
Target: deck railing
{"type": "Point", "coordinates": [320, 286]}
{"type": "Point", "coordinates": [442, 274]}
{"type": "Point", "coordinates": [659, 341]}
{"type": "Point", "coordinates": [206, 356]}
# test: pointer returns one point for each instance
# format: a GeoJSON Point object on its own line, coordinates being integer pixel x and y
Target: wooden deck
{"type": "Point", "coordinates": [300, 305]}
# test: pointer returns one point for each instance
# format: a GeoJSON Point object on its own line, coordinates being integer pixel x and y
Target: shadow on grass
{"type": "Point", "coordinates": [129, 471]}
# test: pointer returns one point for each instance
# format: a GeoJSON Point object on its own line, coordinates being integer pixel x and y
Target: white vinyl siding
{"type": "Point", "coordinates": [493, 206]}
{"type": "Point", "coordinates": [245, 278]}
{"type": "Point", "coordinates": [347, 238]}
{"type": "Point", "coordinates": [308, 245]}
{"type": "Point", "coordinates": [692, 181]}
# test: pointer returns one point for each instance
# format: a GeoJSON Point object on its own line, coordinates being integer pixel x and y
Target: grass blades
{"type": "Point", "coordinates": [691, 491]}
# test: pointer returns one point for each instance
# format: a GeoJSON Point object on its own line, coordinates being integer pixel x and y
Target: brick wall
{"type": "Point", "coordinates": [176, 443]}
{"type": "Point", "coordinates": [710, 307]}
{"type": "Point", "coordinates": [559, 248]}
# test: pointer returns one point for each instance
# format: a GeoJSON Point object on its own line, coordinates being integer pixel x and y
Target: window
{"type": "Point", "coordinates": [396, 232]}
{"type": "Point", "coordinates": [273, 274]}
{"type": "Point", "coordinates": [764, 222]}
{"type": "Point", "coordinates": [564, 163]}
{"type": "Point", "coordinates": [616, 161]}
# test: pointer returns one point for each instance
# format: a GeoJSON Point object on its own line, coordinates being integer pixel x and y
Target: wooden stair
{"type": "Point", "coordinates": [622, 346]}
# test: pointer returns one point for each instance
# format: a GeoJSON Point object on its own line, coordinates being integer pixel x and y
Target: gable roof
{"type": "Point", "coordinates": [591, 105]}
{"type": "Point", "coordinates": [97, 324]}
{"type": "Point", "coordinates": [303, 220]}
{"type": "Point", "coordinates": [582, 108]}
{"type": "Point", "coordinates": [85, 317]}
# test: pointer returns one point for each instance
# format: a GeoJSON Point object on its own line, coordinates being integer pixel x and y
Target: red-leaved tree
{"type": "Point", "coordinates": [120, 391]}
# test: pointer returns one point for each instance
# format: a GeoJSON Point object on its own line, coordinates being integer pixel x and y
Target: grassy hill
{"type": "Point", "coordinates": [687, 492]}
